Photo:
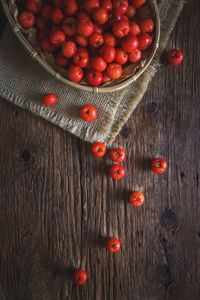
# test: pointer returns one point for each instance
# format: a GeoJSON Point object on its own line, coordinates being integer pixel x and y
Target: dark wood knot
{"type": "Point", "coordinates": [24, 155]}
{"type": "Point", "coordinates": [168, 218]}
{"type": "Point", "coordinates": [164, 274]}
{"type": "Point", "coordinates": [125, 132]}
{"type": "Point", "coordinates": [151, 107]}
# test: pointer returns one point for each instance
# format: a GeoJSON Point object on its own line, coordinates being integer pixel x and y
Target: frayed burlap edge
{"type": "Point", "coordinates": [142, 82]}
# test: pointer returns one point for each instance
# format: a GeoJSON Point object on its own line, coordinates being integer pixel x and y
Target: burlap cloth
{"type": "Point", "coordinates": [23, 82]}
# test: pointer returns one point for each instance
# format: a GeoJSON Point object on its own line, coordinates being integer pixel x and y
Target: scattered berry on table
{"type": "Point", "coordinates": [98, 149]}
{"type": "Point", "coordinates": [175, 57]}
{"type": "Point", "coordinates": [159, 165]}
{"type": "Point", "coordinates": [118, 155]}
{"type": "Point", "coordinates": [113, 245]}
{"type": "Point", "coordinates": [117, 171]}
{"type": "Point", "coordinates": [80, 276]}
{"type": "Point", "coordinates": [136, 198]}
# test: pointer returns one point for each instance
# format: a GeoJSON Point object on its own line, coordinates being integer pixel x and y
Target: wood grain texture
{"type": "Point", "coordinates": [58, 204]}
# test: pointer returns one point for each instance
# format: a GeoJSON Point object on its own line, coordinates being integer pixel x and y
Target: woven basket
{"type": "Point", "coordinates": [104, 89]}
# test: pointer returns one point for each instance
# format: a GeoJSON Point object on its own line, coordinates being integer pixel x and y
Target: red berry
{"type": "Point", "coordinates": [147, 25]}
{"type": "Point", "coordinates": [61, 60]}
{"type": "Point", "coordinates": [145, 40]}
{"type": "Point", "coordinates": [120, 6]}
{"type": "Point", "coordinates": [81, 40]}
{"type": "Point", "coordinates": [90, 5]}
{"type": "Point", "coordinates": [106, 78]}
{"type": "Point", "coordinates": [114, 70]}
{"type": "Point", "coordinates": [107, 4]}
{"type": "Point", "coordinates": [46, 45]}
{"type": "Point", "coordinates": [34, 6]}
{"type": "Point", "coordinates": [57, 16]}
{"type": "Point", "coordinates": [117, 171]}
{"type": "Point", "coordinates": [136, 198]}
{"type": "Point", "coordinates": [118, 155]}
{"type": "Point", "coordinates": [134, 28]}
{"type": "Point", "coordinates": [80, 276]}
{"type": "Point", "coordinates": [98, 149]}
{"type": "Point", "coordinates": [69, 26]}
{"type": "Point", "coordinates": [113, 245]}
{"type": "Point", "coordinates": [96, 40]}
{"type": "Point", "coordinates": [85, 27]}
{"type": "Point", "coordinates": [57, 38]}
{"type": "Point", "coordinates": [68, 49]}
{"type": "Point", "coordinates": [131, 11]}
{"type": "Point", "coordinates": [175, 57]}
{"type": "Point", "coordinates": [121, 56]}
{"type": "Point", "coordinates": [26, 19]}
{"type": "Point", "coordinates": [94, 77]}
{"type": "Point", "coordinates": [121, 29]}
{"type": "Point", "coordinates": [109, 39]}
{"type": "Point", "coordinates": [70, 7]}
{"type": "Point", "coordinates": [88, 113]}
{"type": "Point", "coordinates": [159, 165]}
{"type": "Point", "coordinates": [81, 57]}
{"type": "Point", "coordinates": [108, 53]}
{"type": "Point", "coordinates": [49, 99]}
{"type": "Point", "coordinates": [138, 3]}
{"type": "Point", "coordinates": [130, 43]}
{"type": "Point", "coordinates": [98, 29]}
{"type": "Point", "coordinates": [100, 15]}
{"type": "Point", "coordinates": [135, 56]}
{"type": "Point", "coordinates": [98, 64]}
{"type": "Point", "coordinates": [75, 73]}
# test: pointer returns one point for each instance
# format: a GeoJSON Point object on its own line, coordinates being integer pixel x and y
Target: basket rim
{"type": "Point", "coordinates": [35, 55]}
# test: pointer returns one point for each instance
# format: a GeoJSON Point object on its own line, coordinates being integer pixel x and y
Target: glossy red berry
{"type": "Point", "coordinates": [117, 171]}
{"type": "Point", "coordinates": [130, 43]}
{"type": "Point", "coordinates": [121, 56]}
{"type": "Point", "coordinates": [138, 3]}
{"type": "Point", "coordinates": [118, 155]}
{"type": "Point", "coordinates": [94, 77]}
{"type": "Point", "coordinates": [147, 25]}
{"type": "Point", "coordinates": [98, 149]}
{"type": "Point", "coordinates": [114, 70]}
{"type": "Point", "coordinates": [96, 40]}
{"type": "Point", "coordinates": [145, 40]}
{"type": "Point", "coordinates": [98, 64]}
{"type": "Point", "coordinates": [81, 57]}
{"type": "Point", "coordinates": [57, 38]}
{"type": "Point", "coordinates": [88, 113]}
{"type": "Point", "coordinates": [26, 19]}
{"type": "Point", "coordinates": [100, 15]}
{"type": "Point", "coordinates": [80, 276]}
{"type": "Point", "coordinates": [113, 245]}
{"type": "Point", "coordinates": [61, 60]}
{"type": "Point", "coordinates": [75, 73]}
{"type": "Point", "coordinates": [136, 198]}
{"type": "Point", "coordinates": [159, 165]}
{"type": "Point", "coordinates": [121, 29]}
{"type": "Point", "coordinates": [175, 57]}
{"type": "Point", "coordinates": [49, 99]}
{"type": "Point", "coordinates": [108, 53]}
{"type": "Point", "coordinates": [57, 16]}
{"type": "Point", "coordinates": [68, 49]}
{"type": "Point", "coordinates": [135, 56]}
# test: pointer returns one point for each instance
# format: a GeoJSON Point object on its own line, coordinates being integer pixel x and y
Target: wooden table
{"type": "Point", "coordinates": [58, 204]}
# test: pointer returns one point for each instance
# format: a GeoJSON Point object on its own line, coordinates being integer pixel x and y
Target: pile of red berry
{"type": "Point", "coordinates": [93, 40]}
